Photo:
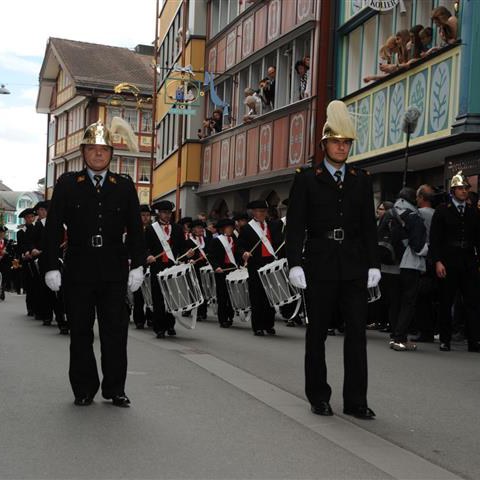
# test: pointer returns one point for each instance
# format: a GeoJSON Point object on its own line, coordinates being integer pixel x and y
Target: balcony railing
{"type": "Point", "coordinates": [432, 86]}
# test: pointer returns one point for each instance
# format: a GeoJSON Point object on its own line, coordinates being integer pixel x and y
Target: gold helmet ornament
{"type": "Point", "coordinates": [339, 122]}
{"type": "Point", "coordinates": [459, 180]}
{"type": "Point", "coordinates": [98, 134]}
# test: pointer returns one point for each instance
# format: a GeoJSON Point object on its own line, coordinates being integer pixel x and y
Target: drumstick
{"type": "Point", "coordinates": [276, 251]}
{"type": "Point", "coordinates": [253, 249]}
{"type": "Point", "coordinates": [185, 254]}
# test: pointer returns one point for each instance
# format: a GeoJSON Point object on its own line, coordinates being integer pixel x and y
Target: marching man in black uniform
{"type": "Point", "coordinates": [165, 242]}
{"type": "Point", "coordinates": [224, 257]}
{"type": "Point", "coordinates": [26, 240]}
{"type": "Point", "coordinates": [97, 207]}
{"type": "Point", "coordinates": [332, 206]}
{"type": "Point", "coordinates": [199, 246]}
{"type": "Point", "coordinates": [454, 246]}
{"type": "Point", "coordinates": [257, 242]}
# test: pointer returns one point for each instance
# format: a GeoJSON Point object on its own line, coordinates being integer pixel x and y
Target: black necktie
{"type": "Point", "coordinates": [98, 179]}
{"type": "Point", "coordinates": [338, 178]}
{"type": "Point", "coordinates": [460, 209]}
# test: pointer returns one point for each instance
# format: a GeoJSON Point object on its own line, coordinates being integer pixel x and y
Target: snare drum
{"type": "Point", "coordinates": [146, 289]}
{"type": "Point", "coordinates": [279, 290]}
{"type": "Point", "coordinates": [237, 286]}
{"type": "Point", "coordinates": [181, 292]}
{"type": "Point", "coordinates": [207, 280]}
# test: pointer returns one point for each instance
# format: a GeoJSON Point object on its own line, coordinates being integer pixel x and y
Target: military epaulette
{"type": "Point", "coordinates": [125, 175]}
{"type": "Point", "coordinates": [361, 171]}
{"type": "Point", "coordinates": [81, 178]}
{"type": "Point", "coordinates": [65, 175]}
{"type": "Point", "coordinates": [112, 179]}
{"type": "Point", "coordinates": [302, 168]}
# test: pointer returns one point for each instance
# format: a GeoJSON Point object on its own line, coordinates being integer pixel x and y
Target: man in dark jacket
{"type": "Point", "coordinates": [332, 206]}
{"type": "Point", "coordinates": [97, 207]}
{"type": "Point", "coordinates": [455, 243]}
{"type": "Point", "coordinates": [258, 242]}
{"type": "Point", "coordinates": [165, 243]}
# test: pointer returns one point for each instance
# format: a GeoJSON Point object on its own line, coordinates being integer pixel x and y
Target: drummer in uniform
{"type": "Point", "coordinates": [165, 242]}
{"type": "Point", "coordinates": [332, 206]}
{"type": "Point", "coordinates": [241, 220]}
{"type": "Point", "coordinates": [142, 314]}
{"type": "Point", "coordinates": [258, 241]}
{"type": "Point", "coordinates": [97, 207]}
{"type": "Point", "coordinates": [186, 224]}
{"type": "Point", "coordinates": [224, 257]}
{"type": "Point", "coordinates": [26, 240]}
{"type": "Point", "coordinates": [198, 244]}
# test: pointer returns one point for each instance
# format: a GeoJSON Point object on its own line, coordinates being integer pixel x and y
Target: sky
{"type": "Point", "coordinates": [26, 27]}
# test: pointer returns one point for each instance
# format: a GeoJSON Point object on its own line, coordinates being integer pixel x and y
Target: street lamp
{"type": "Point", "coordinates": [4, 90]}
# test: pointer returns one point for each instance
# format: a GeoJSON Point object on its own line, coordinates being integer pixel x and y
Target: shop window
{"type": "Point", "coordinates": [128, 167]}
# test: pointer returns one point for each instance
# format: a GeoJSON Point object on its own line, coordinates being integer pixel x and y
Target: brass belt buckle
{"type": "Point", "coordinates": [97, 241]}
{"type": "Point", "coordinates": [338, 234]}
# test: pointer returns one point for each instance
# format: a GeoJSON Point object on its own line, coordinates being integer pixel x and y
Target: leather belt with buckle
{"type": "Point", "coordinates": [96, 241]}
{"type": "Point", "coordinates": [337, 234]}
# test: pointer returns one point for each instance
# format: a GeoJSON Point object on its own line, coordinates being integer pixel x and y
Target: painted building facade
{"type": "Point", "coordinates": [257, 158]}
{"type": "Point", "coordinates": [441, 85]}
{"type": "Point", "coordinates": [77, 82]}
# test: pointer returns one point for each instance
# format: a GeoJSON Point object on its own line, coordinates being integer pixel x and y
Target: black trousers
{"type": "Point", "coordinates": [263, 315]}
{"type": "Point", "coordinates": [225, 311]}
{"type": "Point", "coordinates": [107, 300]}
{"type": "Point", "coordinates": [409, 284]}
{"type": "Point", "coordinates": [141, 314]}
{"type": "Point", "coordinates": [161, 319]}
{"type": "Point", "coordinates": [427, 305]}
{"type": "Point", "coordinates": [29, 286]}
{"type": "Point", "coordinates": [464, 280]}
{"type": "Point", "coordinates": [324, 299]}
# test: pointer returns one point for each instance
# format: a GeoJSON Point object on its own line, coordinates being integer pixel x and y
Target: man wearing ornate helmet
{"type": "Point", "coordinates": [97, 207]}
{"type": "Point", "coordinates": [454, 246]}
{"type": "Point", "coordinates": [331, 207]}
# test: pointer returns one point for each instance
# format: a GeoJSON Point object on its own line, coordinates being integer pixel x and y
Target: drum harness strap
{"type": "Point", "coordinates": [262, 235]}
{"type": "Point", "coordinates": [163, 240]}
{"type": "Point", "coordinates": [228, 249]}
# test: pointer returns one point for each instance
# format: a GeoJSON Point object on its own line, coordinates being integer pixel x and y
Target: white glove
{"type": "Point", "coordinates": [297, 277]}
{"type": "Point", "coordinates": [374, 277]}
{"type": "Point", "coordinates": [135, 279]}
{"type": "Point", "coordinates": [53, 279]}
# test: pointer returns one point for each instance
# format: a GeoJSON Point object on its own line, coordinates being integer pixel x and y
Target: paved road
{"type": "Point", "coordinates": [217, 403]}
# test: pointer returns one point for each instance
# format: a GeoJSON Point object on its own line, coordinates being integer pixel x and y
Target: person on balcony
{"type": "Point", "coordinates": [401, 38]}
{"type": "Point", "coordinates": [386, 57]}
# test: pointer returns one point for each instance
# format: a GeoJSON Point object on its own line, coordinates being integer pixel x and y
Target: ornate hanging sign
{"type": "Point", "coordinates": [382, 5]}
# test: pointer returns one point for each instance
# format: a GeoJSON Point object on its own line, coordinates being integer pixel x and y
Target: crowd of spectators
{"type": "Point", "coordinates": [407, 47]}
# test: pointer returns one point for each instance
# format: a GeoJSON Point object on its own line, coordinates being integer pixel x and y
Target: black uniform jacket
{"type": "Point", "coordinates": [248, 238]}
{"type": "Point", "coordinates": [454, 239]}
{"type": "Point", "coordinates": [216, 254]}
{"type": "Point", "coordinates": [88, 214]}
{"type": "Point", "coordinates": [154, 246]}
{"type": "Point", "coordinates": [318, 206]}
{"type": "Point", "coordinates": [198, 257]}
{"type": "Point", "coordinates": [26, 238]}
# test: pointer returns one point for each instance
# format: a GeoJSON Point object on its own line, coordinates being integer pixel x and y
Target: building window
{"type": "Point", "coordinates": [143, 171]}
{"type": "Point", "coordinates": [128, 167]}
{"type": "Point", "coordinates": [147, 121]}
{"type": "Point", "coordinates": [112, 112]}
{"type": "Point", "coordinates": [113, 167]}
{"type": "Point", "coordinates": [25, 203]}
{"type": "Point", "coordinates": [63, 80]}
{"type": "Point", "coordinates": [171, 46]}
{"type": "Point", "coordinates": [62, 126]}
{"type": "Point", "coordinates": [76, 120]}
{"type": "Point", "coordinates": [51, 132]}
{"type": "Point", "coordinates": [130, 115]}
{"type": "Point", "coordinates": [222, 13]}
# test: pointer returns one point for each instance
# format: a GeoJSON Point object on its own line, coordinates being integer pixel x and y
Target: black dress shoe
{"type": "Point", "coordinates": [323, 408]}
{"type": "Point", "coordinates": [47, 323]}
{"type": "Point", "coordinates": [64, 331]}
{"type": "Point", "coordinates": [474, 347]}
{"type": "Point", "coordinates": [226, 324]}
{"type": "Point", "coordinates": [171, 332]}
{"type": "Point", "coordinates": [259, 333]}
{"type": "Point", "coordinates": [445, 347]}
{"type": "Point", "coordinates": [139, 326]}
{"type": "Point", "coordinates": [271, 331]}
{"type": "Point", "coordinates": [121, 401]}
{"type": "Point", "coordinates": [331, 331]}
{"type": "Point", "coordinates": [363, 413]}
{"type": "Point", "coordinates": [161, 334]}
{"type": "Point", "coordinates": [83, 401]}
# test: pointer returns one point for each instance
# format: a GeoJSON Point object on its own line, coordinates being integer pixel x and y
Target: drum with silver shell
{"type": "Point", "coordinates": [146, 289]}
{"type": "Point", "coordinates": [207, 280]}
{"type": "Point", "coordinates": [237, 286]}
{"type": "Point", "coordinates": [181, 292]}
{"type": "Point", "coordinates": [279, 290]}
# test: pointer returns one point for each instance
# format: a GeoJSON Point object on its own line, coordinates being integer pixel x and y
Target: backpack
{"type": "Point", "coordinates": [391, 235]}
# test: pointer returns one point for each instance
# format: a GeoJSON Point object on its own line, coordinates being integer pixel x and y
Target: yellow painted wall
{"type": "Point", "coordinates": [165, 176]}
{"type": "Point", "coordinates": [166, 18]}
